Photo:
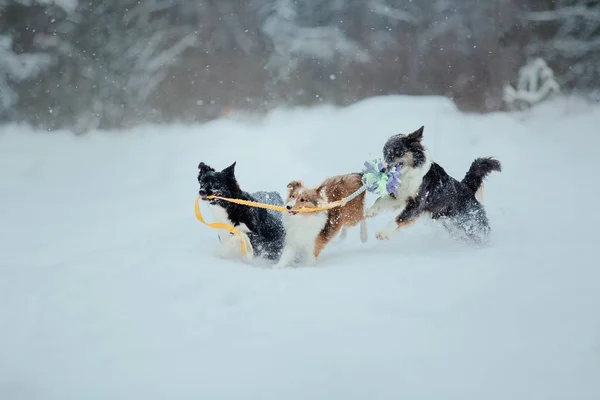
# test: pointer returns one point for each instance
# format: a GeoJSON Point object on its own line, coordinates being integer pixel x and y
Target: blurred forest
{"type": "Point", "coordinates": [116, 63]}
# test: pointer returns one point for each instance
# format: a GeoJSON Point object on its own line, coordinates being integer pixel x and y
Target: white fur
{"type": "Point", "coordinates": [301, 231]}
{"type": "Point", "coordinates": [410, 181]}
{"type": "Point", "coordinates": [479, 194]}
{"type": "Point", "coordinates": [230, 245]}
{"type": "Point", "coordinates": [387, 232]}
{"type": "Point", "coordinates": [291, 202]}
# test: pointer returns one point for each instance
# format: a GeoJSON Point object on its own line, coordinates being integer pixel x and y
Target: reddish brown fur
{"type": "Point", "coordinates": [331, 190]}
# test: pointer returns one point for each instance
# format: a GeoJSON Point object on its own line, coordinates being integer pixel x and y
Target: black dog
{"type": "Point", "coordinates": [263, 228]}
{"type": "Point", "coordinates": [426, 188]}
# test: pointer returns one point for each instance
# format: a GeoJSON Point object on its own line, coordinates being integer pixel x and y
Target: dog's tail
{"type": "Point", "coordinates": [480, 168]}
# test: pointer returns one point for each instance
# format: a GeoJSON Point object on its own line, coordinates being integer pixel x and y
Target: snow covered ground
{"type": "Point", "coordinates": [109, 288]}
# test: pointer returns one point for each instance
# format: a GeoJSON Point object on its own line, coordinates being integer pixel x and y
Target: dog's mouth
{"type": "Point", "coordinates": [391, 165]}
{"type": "Point", "coordinates": [293, 213]}
{"type": "Point", "coordinates": [206, 197]}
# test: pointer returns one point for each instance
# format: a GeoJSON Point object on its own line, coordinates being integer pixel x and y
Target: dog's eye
{"type": "Point", "coordinates": [302, 200]}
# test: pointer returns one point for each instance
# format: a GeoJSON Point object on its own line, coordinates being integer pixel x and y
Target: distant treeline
{"type": "Point", "coordinates": [115, 63]}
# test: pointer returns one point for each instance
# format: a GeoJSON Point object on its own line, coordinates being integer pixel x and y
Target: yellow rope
{"type": "Point", "coordinates": [220, 225]}
{"type": "Point", "coordinates": [327, 206]}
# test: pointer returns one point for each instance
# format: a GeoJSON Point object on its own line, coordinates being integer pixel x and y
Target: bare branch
{"type": "Point", "coordinates": [576, 47]}
{"type": "Point", "coordinates": [394, 13]}
{"type": "Point", "coordinates": [562, 13]}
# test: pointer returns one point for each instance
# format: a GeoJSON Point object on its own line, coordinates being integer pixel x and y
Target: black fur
{"type": "Point", "coordinates": [448, 200]}
{"type": "Point", "coordinates": [267, 233]}
{"type": "Point", "coordinates": [480, 168]}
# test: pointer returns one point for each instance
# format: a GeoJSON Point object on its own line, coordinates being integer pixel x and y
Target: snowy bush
{"type": "Point", "coordinates": [567, 35]}
{"type": "Point", "coordinates": [535, 84]}
{"type": "Point", "coordinates": [16, 68]}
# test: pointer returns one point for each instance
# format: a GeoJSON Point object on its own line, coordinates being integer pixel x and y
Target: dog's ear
{"type": "Point", "coordinates": [230, 170]}
{"type": "Point", "coordinates": [295, 185]}
{"type": "Point", "coordinates": [417, 135]}
{"type": "Point", "coordinates": [203, 168]}
{"type": "Point", "coordinates": [321, 192]}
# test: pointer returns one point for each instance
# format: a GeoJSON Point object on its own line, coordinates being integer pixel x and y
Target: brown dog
{"type": "Point", "coordinates": [307, 234]}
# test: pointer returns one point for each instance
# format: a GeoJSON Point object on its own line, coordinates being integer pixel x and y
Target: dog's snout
{"type": "Point", "coordinates": [289, 207]}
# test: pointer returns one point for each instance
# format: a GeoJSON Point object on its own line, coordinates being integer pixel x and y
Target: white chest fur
{"type": "Point", "coordinates": [220, 215]}
{"type": "Point", "coordinates": [301, 233]}
{"type": "Point", "coordinates": [301, 230]}
{"type": "Point", "coordinates": [230, 244]}
{"type": "Point", "coordinates": [411, 179]}
{"type": "Point", "coordinates": [410, 182]}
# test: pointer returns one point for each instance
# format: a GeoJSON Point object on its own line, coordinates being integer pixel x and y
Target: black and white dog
{"type": "Point", "coordinates": [262, 228]}
{"type": "Point", "coordinates": [425, 188]}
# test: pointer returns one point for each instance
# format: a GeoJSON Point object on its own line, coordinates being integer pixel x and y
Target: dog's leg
{"type": "Point", "coordinates": [409, 215]}
{"type": "Point", "coordinates": [474, 226]}
{"type": "Point", "coordinates": [249, 248]}
{"type": "Point", "coordinates": [287, 256]}
{"type": "Point", "coordinates": [319, 245]}
{"type": "Point", "coordinates": [343, 234]}
{"type": "Point", "coordinates": [245, 234]}
{"type": "Point", "coordinates": [310, 259]}
{"type": "Point", "coordinates": [228, 246]}
{"type": "Point", "coordinates": [325, 237]}
{"type": "Point", "coordinates": [364, 235]}
{"type": "Point", "coordinates": [382, 203]}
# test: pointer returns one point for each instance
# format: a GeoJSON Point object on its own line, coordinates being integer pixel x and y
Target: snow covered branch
{"type": "Point", "coordinates": [536, 83]}
{"type": "Point", "coordinates": [148, 75]}
{"type": "Point", "coordinates": [576, 47]}
{"type": "Point", "coordinates": [293, 42]}
{"type": "Point", "coordinates": [384, 10]}
{"type": "Point", "coordinates": [67, 5]}
{"type": "Point", "coordinates": [563, 13]}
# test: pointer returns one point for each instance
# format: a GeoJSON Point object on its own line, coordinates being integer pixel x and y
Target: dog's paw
{"type": "Point", "coordinates": [388, 231]}
{"type": "Point", "coordinates": [310, 261]}
{"type": "Point", "coordinates": [371, 212]}
{"type": "Point", "coordinates": [382, 235]}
